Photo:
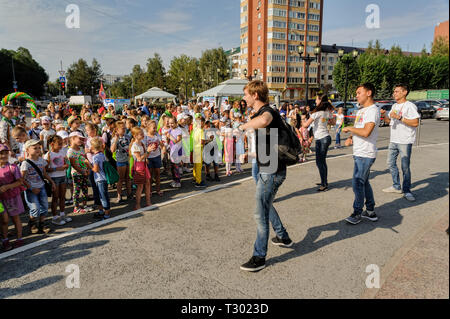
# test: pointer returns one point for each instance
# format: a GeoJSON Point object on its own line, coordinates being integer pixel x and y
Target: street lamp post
{"type": "Point", "coordinates": [218, 71]}
{"type": "Point", "coordinates": [308, 59]}
{"type": "Point", "coordinates": [347, 63]}
{"type": "Point", "coordinates": [245, 73]}
{"type": "Point", "coordinates": [255, 73]}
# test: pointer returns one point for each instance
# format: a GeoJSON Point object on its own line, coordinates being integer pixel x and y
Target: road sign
{"type": "Point", "coordinates": [62, 79]}
{"type": "Point", "coordinates": [62, 73]}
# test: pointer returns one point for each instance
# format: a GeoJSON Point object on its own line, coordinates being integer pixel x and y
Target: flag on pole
{"type": "Point", "coordinates": [101, 93]}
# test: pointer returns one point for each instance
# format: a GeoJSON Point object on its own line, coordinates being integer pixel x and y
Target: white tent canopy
{"type": "Point", "coordinates": [155, 93]}
{"type": "Point", "coordinates": [233, 87]}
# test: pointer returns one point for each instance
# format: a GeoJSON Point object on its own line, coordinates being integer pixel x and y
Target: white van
{"type": "Point", "coordinates": [80, 99]}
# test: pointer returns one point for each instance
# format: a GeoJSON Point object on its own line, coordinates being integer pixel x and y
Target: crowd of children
{"type": "Point", "coordinates": [64, 150]}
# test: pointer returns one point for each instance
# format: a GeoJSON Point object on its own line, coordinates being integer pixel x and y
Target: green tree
{"type": "Point", "coordinates": [354, 75]}
{"type": "Point", "coordinates": [183, 76]}
{"type": "Point", "coordinates": [211, 61]}
{"type": "Point", "coordinates": [30, 76]}
{"type": "Point", "coordinates": [440, 46]}
{"type": "Point", "coordinates": [385, 91]}
{"type": "Point", "coordinates": [82, 77]}
{"type": "Point", "coordinates": [156, 73]}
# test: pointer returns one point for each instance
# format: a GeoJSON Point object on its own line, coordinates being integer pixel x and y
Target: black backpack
{"type": "Point", "coordinates": [289, 146]}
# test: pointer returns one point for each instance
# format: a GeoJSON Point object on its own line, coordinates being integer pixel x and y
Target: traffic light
{"type": "Point", "coordinates": [63, 85]}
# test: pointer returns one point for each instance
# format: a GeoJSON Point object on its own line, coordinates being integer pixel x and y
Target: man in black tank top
{"type": "Point", "coordinates": [271, 175]}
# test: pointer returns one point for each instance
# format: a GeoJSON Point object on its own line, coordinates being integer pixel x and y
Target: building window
{"type": "Point", "coordinates": [330, 77]}
{"type": "Point", "coordinates": [259, 15]}
{"type": "Point", "coordinates": [259, 38]}
{"type": "Point", "coordinates": [331, 59]}
{"type": "Point", "coordinates": [259, 26]}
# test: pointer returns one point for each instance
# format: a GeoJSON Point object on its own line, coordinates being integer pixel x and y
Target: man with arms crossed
{"type": "Point", "coordinates": [403, 120]}
{"type": "Point", "coordinates": [364, 140]}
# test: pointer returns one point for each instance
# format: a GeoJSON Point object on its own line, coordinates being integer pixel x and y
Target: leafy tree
{"type": "Point", "coordinates": [211, 61]}
{"type": "Point", "coordinates": [156, 74]}
{"type": "Point", "coordinates": [385, 91]}
{"type": "Point", "coordinates": [440, 46]}
{"type": "Point", "coordinates": [82, 77]}
{"type": "Point", "coordinates": [30, 76]}
{"type": "Point", "coordinates": [183, 76]}
{"type": "Point", "coordinates": [354, 75]}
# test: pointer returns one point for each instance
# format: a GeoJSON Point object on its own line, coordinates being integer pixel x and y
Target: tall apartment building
{"type": "Point", "coordinates": [441, 30]}
{"type": "Point", "coordinates": [271, 31]}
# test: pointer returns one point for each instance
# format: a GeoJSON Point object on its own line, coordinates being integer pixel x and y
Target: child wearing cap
{"type": "Point", "coordinates": [79, 172]}
{"type": "Point", "coordinates": [56, 168]}
{"type": "Point", "coordinates": [35, 130]}
{"type": "Point", "coordinates": [11, 204]}
{"type": "Point", "coordinates": [36, 196]}
{"type": "Point", "coordinates": [46, 132]}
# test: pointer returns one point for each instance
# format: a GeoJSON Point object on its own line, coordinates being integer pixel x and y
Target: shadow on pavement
{"type": "Point", "coordinates": [389, 217]}
{"type": "Point", "coordinates": [347, 183]}
{"type": "Point", "coordinates": [16, 267]}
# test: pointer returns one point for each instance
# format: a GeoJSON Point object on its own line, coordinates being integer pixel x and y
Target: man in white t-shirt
{"type": "Point", "coordinates": [403, 120]}
{"type": "Point", "coordinates": [364, 139]}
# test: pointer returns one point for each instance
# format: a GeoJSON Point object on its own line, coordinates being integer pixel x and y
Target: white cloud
{"type": "Point", "coordinates": [402, 25]}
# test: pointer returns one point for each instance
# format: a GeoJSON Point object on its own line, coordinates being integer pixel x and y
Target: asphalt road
{"type": "Point", "coordinates": [192, 248]}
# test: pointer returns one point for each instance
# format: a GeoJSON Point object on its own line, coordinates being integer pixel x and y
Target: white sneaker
{"type": "Point", "coordinates": [66, 219]}
{"type": "Point", "coordinates": [410, 197]}
{"type": "Point", "coordinates": [89, 209]}
{"type": "Point", "coordinates": [392, 190]}
{"type": "Point", "coordinates": [58, 221]}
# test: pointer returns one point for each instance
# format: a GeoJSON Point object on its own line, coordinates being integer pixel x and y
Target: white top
{"type": "Point", "coordinates": [320, 129]}
{"type": "Point", "coordinates": [137, 148]}
{"type": "Point", "coordinates": [339, 119]}
{"type": "Point", "coordinates": [56, 160]}
{"type": "Point", "coordinates": [366, 147]}
{"type": "Point", "coordinates": [400, 132]}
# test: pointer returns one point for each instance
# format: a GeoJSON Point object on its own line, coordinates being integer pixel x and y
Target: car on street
{"type": "Point", "coordinates": [385, 108]}
{"type": "Point", "coordinates": [442, 113]}
{"type": "Point", "coordinates": [425, 109]}
{"type": "Point", "coordinates": [434, 103]}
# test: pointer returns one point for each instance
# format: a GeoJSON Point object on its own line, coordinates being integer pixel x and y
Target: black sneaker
{"type": "Point", "coordinates": [354, 219]}
{"type": "Point", "coordinates": [369, 215]}
{"type": "Point", "coordinates": [254, 264]}
{"type": "Point", "coordinates": [287, 242]}
{"type": "Point", "coordinates": [216, 178]}
{"type": "Point", "coordinates": [209, 178]}
{"type": "Point", "coordinates": [98, 215]}
{"type": "Point", "coordinates": [201, 185]}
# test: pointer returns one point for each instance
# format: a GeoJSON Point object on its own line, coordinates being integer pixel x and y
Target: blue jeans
{"type": "Point", "coordinates": [103, 193]}
{"type": "Point", "coordinates": [38, 204]}
{"type": "Point", "coordinates": [405, 156]}
{"type": "Point", "coordinates": [97, 201]}
{"type": "Point", "coordinates": [266, 188]}
{"type": "Point", "coordinates": [321, 158]}
{"type": "Point", "coordinates": [255, 171]}
{"type": "Point", "coordinates": [338, 136]}
{"type": "Point", "coordinates": [361, 185]}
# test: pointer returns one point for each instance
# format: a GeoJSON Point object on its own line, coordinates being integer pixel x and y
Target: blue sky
{"type": "Point", "coordinates": [122, 33]}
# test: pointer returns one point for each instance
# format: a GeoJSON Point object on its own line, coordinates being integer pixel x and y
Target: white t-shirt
{"type": "Point", "coordinates": [56, 160]}
{"type": "Point", "coordinates": [137, 148]}
{"type": "Point", "coordinates": [156, 139]}
{"type": "Point", "coordinates": [339, 119]}
{"type": "Point", "coordinates": [366, 147]}
{"type": "Point", "coordinates": [400, 132]}
{"type": "Point", "coordinates": [320, 129]}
